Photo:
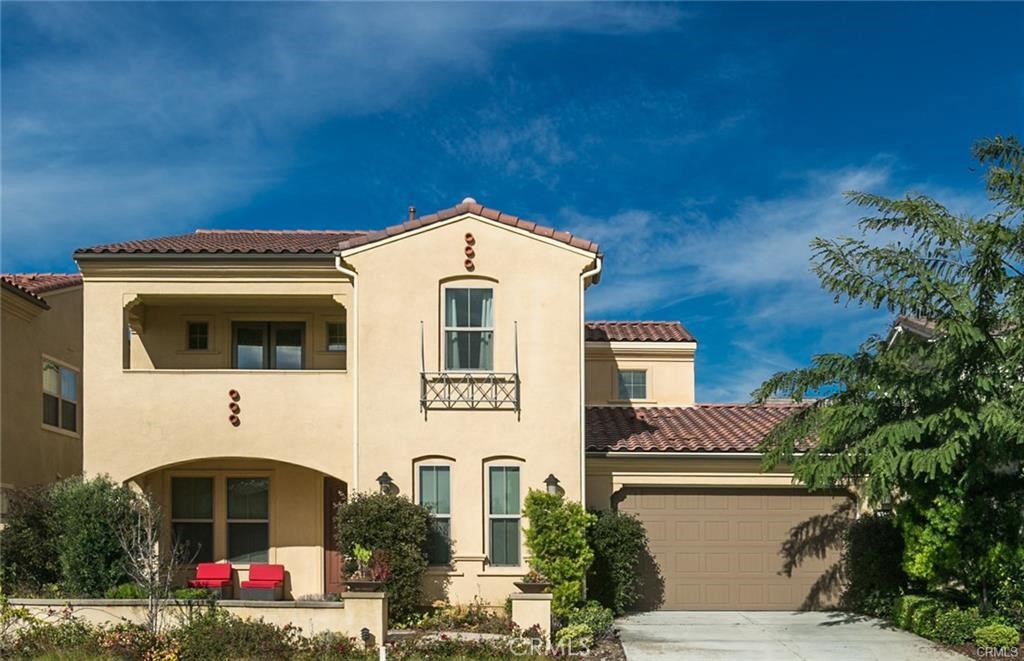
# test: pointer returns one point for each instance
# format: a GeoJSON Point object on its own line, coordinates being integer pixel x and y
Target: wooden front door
{"type": "Point", "coordinates": [334, 493]}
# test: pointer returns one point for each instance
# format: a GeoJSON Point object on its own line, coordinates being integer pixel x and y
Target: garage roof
{"type": "Point", "coordinates": [700, 428]}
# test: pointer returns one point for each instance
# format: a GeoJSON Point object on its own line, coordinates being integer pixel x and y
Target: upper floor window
{"type": "Point", "coordinates": [198, 335]}
{"type": "Point", "coordinates": [632, 384]}
{"type": "Point", "coordinates": [60, 396]}
{"type": "Point", "coordinates": [336, 336]}
{"type": "Point", "coordinates": [468, 328]}
{"type": "Point", "coordinates": [436, 495]}
{"type": "Point", "coordinates": [269, 345]}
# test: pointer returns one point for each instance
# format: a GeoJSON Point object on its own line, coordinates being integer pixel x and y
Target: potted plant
{"type": "Point", "coordinates": [533, 583]}
{"type": "Point", "coordinates": [370, 570]}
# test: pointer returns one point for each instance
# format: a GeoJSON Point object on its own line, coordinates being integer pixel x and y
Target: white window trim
{"type": "Point", "coordinates": [77, 433]}
{"type": "Point", "coordinates": [647, 385]}
{"type": "Point", "coordinates": [491, 517]}
{"type": "Point", "coordinates": [445, 328]}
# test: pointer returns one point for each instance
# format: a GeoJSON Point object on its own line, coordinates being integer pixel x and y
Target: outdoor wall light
{"type": "Point", "coordinates": [552, 484]}
{"type": "Point", "coordinates": [385, 482]}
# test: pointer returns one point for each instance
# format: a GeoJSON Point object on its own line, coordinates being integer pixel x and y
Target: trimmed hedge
{"type": "Point", "coordinates": [996, 635]}
{"type": "Point", "coordinates": [956, 626]}
{"type": "Point", "coordinates": [557, 540]}
{"type": "Point", "coordinates": [917, 613]}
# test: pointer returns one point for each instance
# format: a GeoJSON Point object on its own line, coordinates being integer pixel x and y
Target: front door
{"type": "Point", "coordinates": [334, 493]}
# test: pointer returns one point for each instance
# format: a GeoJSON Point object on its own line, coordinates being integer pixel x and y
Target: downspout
{"type": "Point", "coordinates": [594, 272]}
{"type": "Point", "coordinates": [355, 372]}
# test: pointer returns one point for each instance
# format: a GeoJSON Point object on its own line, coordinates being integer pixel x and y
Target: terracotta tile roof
{"type": "Point", "coordinates": [469, 205]}
{"type": "Point", "coordinates": [700, 428]}
{"type": "Point", "coordinates": [637, 331]}
{"type": "Point", "coordinates": [31, 285]}
{"type": "Point", "coordinates": [278, 242]}
{"type": "Point", "coordinates": [40, 283]}
{"type": "Point", "coordinates": [917, 325]}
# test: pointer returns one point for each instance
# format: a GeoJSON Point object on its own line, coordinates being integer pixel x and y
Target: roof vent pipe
{"type": "Point", "coordinates": [412, 213]}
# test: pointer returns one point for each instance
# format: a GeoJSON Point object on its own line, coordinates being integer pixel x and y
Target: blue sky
{"type": "Point", "coordinates": [703, 145]}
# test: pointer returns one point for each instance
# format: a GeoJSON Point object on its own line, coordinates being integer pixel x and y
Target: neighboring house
{"type": "Point", "coordinates": [252, 378]}
{"type": "Point", "coordinates": [41, 363]}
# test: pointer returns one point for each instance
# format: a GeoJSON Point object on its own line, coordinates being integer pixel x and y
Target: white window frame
{"type": "Point", "coordinates": [627, 396]}
{"type": "Point", "coordinates": [492, 517]}
{"type": "Point", "coordinates": [445, 328]}
{"type": "Point", "coordinates": [327, 335]}
{"type": "Point", "coordinates": [61, 365]}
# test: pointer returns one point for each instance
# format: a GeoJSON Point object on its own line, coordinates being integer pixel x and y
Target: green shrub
{"type": "Point", "coordinates": [214, 634]}
{"type": "Point", "coordinates": [596, 618]}
{"type": "Point", "coordinates": [397, 527]}
{"type": "Point", "coordinates": [872, 563]}
{"type": "Point", "coordinates": [28, 562]}
{"type": "Point", "coordinates": [557, 539]}
{"type": "Point", "coordinates": [1008, 596]}
{"type": "Point", "coordinates": [996, 635]}
{"type": "Point", "coordinates": [88, 513]}
{"type": "Point", "coordinates": [477, 617]}
{"type": "Point", "coordinates": [574, 636]}
{"type": "Point", "coordinates": [618, 540]}
{"type": "Point", "coordinates": [956, 626]}
{"type": "Point", "coordinates": [125, 591]}
{"type": "Point", "coordinates": [66, 636]}
{"type": "Point", "coordinates": [916, 613]}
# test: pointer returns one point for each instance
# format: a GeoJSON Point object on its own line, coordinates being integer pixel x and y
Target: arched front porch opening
{"type": "Point", "coordinates": [248, 511]}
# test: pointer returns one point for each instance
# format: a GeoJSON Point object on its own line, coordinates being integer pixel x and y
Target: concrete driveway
{"type": "Point", "coordinates": [767, 636]}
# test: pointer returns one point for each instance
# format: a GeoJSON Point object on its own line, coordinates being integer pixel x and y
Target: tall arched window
{"type": "Point", "coordinates": [468, 326]}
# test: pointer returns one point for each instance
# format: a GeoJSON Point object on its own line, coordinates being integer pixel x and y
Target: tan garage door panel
{"type": "Point", "coordinates": [723, 549]}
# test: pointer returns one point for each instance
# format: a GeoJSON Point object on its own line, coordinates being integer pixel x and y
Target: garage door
{"type": "Point", "coordinates": [726, 549]}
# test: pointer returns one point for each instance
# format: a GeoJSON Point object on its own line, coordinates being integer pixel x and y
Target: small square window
{"type": "Point", "coordinates": [336, 336]}
{"type": "Point", "coordinates": [198, 336]}
{"type": "Point", "coordinates": [632, 384]}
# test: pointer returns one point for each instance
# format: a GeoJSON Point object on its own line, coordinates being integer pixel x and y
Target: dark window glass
{"type": "Point", "coordinates": [51, 410]}
{"type": "Point", "coordinates": [287, 346]}
{"type": "Point", "coordinates": [435, 495]}
{"type": "Point", "coordinates": [504, 515]}
{"type": "Point", "coordinates": [248, 519]}
{"type": "Point", "coordinates": [198, 336]}
{"type": "Point", "coordinates": [632, 384]}
{"type": "Point", "coordinates": [336, 340]}
{"type": "Point", "coordinates": [273, 345]}
{"type": "Point", "coordinates": [469, 323]}
{"type": "Point", "coordinates": [60, 396]}
{"type": "Point", "coordinates": [192, 517]}
{"type": "Point", "coordinates": [250, 346]}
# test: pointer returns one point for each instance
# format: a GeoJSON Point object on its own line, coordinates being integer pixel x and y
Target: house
{"type": "Point", "coordinates": [251, 379]}
{"type": "Point", "coordinates": [41, 358]}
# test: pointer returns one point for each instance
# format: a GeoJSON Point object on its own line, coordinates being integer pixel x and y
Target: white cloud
{"type": "Point", "coordinates": [752, 266]}
{"type": "Point", "coordinates": [116, 125]}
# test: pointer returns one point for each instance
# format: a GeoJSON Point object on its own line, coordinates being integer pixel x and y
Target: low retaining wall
{"type": "Point", "coordinates": [359, 610]}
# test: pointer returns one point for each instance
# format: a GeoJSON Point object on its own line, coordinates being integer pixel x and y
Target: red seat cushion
{"type": "Point", "coordinates": [270, 573]}
{"type": "Point", "coordinates": [209, 583]}
{"type": "Point", "coordinates": [267, 585]}
{"type": "Point", "coordinates": [213, 571]}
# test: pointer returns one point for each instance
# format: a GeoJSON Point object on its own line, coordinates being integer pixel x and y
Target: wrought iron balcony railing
{"type": "Point", "coordinates": [470, 390]}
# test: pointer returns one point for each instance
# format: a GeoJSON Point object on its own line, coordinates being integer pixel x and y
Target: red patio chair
{"type": "Point", "coordinates": [215, 576]}
{"type": "Point", "coordinates": [266, 583]}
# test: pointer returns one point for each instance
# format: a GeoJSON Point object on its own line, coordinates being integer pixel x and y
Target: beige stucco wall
{"type": "Point", "coordinates": [669, 367]}
{"type": "Point", "coordinates": [607, 474]}
{"type": "Point", "coordinates": [537, 284]}
{"type": "Point", "coordinates": [143, 419]}
{"type": "Point", "coordinates": [31, 453]}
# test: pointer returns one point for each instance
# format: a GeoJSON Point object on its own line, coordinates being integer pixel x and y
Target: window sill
{"type": "Point", "coordinates": [505, 571]}
{"type": "Point", "coordinates": [631, 402]}
{"type": "Point", "coordinates": [225, 370]}
{"type": "Point", "coordinates": [61, 431]}
{"type": "Point", "coordinates": [440, 570]}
